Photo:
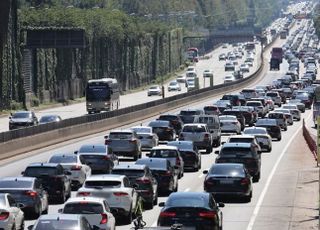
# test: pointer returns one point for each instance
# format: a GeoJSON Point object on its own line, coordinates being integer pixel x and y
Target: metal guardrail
{"type": "Point", "coordinates": [39, 129]}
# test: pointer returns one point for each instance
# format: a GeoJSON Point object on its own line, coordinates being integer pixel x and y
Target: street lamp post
{"type": "Point", "coordinates": [162, 86]}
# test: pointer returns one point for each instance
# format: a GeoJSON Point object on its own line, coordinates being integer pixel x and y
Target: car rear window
{"type": "Point", "coordinates": [272, 94]}
{"type": "Point", "coordinates": [206, 120]}
{"type": "Point", "coordinates": [103, 184]}
{"type": "Point", "coordinates": [194, 129]}
{"type": "Point", "coordinates": [167, 118]}
{"type": "Point", "coordinates": [40, 171]}
{"type": "Point", "coordinates": [92, 149]}
{"type": "Point", "coordinates": [233, 170]}
{"type": "Point", "coordinates": [57, 225]}
{"type": "Point", "coordinates": [276, 115]}
{"type": "Point", "coordinates": [120, 136]}
{"type": "Point", "coordinates": [240, 140]}
{"type": "Point", "coordinates": [187, 202]}
{"type": "Point", "coordinates": [142, 130]}
{"type": "Point", "coordinates": [266, 122]}
{"type": "Point", "coordinates": [63, 159]}
{"type": "Point", "coordinates": [152, 164]}
{"type": "Point", "coordinates": [83, 207]}
{"type": "Point", "coordinates": [189, 113]}
{"type": "Point", "coordinates": [163, 153]}
{"type": "Point", "coordinates": [235, 151]}
{"type": "Point", "coordinates": [15, 184]}
{"type": "Point", "coordinates": [251, 103]}
{"type": "Point", "coordinates": [128, 172]}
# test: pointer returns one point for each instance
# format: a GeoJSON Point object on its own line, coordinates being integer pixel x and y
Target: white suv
{"type": "Point", "coordinates": [116, 189]}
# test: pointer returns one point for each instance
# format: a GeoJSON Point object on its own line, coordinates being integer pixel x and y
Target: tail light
{"type": "Point", "coordinates": [31, 193]}
{"type": "Point", "coordinates": [208, 214]}
{"type": "Point", "coordinates": [84, 194]}
{"type": "Point", "coordinates": [76, 167]}
{"type": "Point", "coordinates": [143, 180]}
{"type": "Point", "coordinates": [244, 181]}
{"type": "Point", "coordinates": [107, 142]}
{"type": "Point", "coordinates": [4, 215]}
{"type": "Point", "coordinates": [168, 214]}
{"type": "Point", "coordinates": [178, 162]}
{"type": "Point", "coordinates": [133, 141]}
{"type": "Point", "coordinates": [120, 194]}
{"type": "Point", "coordinates": [104, 219]}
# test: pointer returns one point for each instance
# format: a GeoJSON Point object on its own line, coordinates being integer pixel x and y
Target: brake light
{"type": "Point", "coordinates": [133, 141]}
{"type": "Point", "coordinates": [4, 215]}
{"type": "Point", "coordinates": [244, 181]}
{"type": "Point", "coordinates": [107, 142]}
{"type": "Point", "coordinates": [31, 193]}
{"type": "Point", "coordinates": [208, 214]}
{"type": "Point", "coordinates": [168, 214]}
{"type": "Point", "coordinates": [84, 194]}
{"type": "Point", "coordinates": [120, 194]}
{"type": "Point", "coordinates": [104, 219]}
{"type": "Point", "coordinates": [143, 180]}
{"type": "Point", "coordinates": [76, 167]}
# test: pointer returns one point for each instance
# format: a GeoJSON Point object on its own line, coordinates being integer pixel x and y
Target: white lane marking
{"type": "Point", "coordinates": [154, 224]}
{"type": "Point", "coordinates": [187, 190]}
{"type": "Point", "coordinates": [265, 189]}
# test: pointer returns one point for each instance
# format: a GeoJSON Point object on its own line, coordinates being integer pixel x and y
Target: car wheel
{"type": "Point", "coordinates": [286, 128]}
{"type": "Point", "coordinates": [209, 150]}
{"type": "Point", "coordinates": [298, 119]}
{"type": "Point", "coordinates": [128, 218]}
{"type": "Point", "coordinates": [247, 199]}
{"type": "Point", "coordinates": [256, 178]}
{"type": "Point", "coordinates": [22, 225]}
{"type": "Point", "coordinates": [269, 149]}
{"type": "Point", "coordinates": [149, 205]}
{"type": "Point", "coordinates": [136, 156]}
{"type": "Point", "coordinates": [279, 138]}
{"type": "Point", "coordinates": [155, 202]}
{"type": "Point", "coordinates": [62, 198]}
{"type": "Point", "coordinates": [176, 187]}
{"type": "Point", "coordinates": [13, 227]}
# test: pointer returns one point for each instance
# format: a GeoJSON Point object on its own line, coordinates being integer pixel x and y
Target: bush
{"type": "Point", "coordinates": [35, 102]}
{"type": "Point", "coordinates": [14, 105]}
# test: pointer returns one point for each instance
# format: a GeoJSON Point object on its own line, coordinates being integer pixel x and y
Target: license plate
{"type": "Point", "coordinates": [226, 181]}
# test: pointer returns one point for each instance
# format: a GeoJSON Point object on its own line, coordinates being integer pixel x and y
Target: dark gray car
{"type": "Point", "coordinates": [22, 119]}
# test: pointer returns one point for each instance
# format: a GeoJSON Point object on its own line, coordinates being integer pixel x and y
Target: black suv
{"type": "Point", "coordinates": [175, 121]}
{"type": "Point", "coordinates": [53, 179]}
{"type": "Point", "coordinates": [243, 153]}
{"type": "Point", "coordinates": [22, 119]}
{"type": "Point", "coordinates": [143, 178]}
{"type": "Point", "coordinates": [234, 99]}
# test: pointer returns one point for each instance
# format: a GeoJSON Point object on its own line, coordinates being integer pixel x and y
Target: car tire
{"type": "Point", "coordinates": [22, 225]}
{"type": "Point", "coordinates": [209, 150]}
{"type": "Point", "coordinates": [13, 227]}
{"type": "Point", "coordinates": [247, 199]}
{"type": "Point", "coordinates": [269, 150]}
{"type": "Point", "coordinates": [286, 128]}
{"type": "Point", "coordinates": [176, 188]}
{"type": "Point", "coordinates": [128, 218]}
{"type": "Point", "coordinates": [148, 205]}
{"type": "Point", "coordinates": [136, 156]}
{"type": "Point", "coordinates": [62, 199]}
{"type": "Point", "coordinates": [256, 178]}
{"type": "Point", "coordinates": [155, 202]}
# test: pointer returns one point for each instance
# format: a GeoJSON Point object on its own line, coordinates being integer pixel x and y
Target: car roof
{"type": "Point", "coordinates": [236, 144]}
{"type": "Point", "coordinates": [122, 131]}
{"type": "Point", "coordinates": [44, 164]}
{"type": "Point", "coordinates": [60, 216]}
{"type": "Point", "coordinates": [106, 177]}
{"type": "Point", "coordinates": [242, 136]}
{"type": "Point", "coordinates": [165, 147]}
{"type": "Point", "coordinates": [130, 166]}
{"type": "Point", "coordinates": [19, 178]}
{"type": "Point", "coordinates": [87, 198]}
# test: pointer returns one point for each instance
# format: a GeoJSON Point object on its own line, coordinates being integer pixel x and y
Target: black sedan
{"type": "Point", "coordinates": [194, 209]}
{"type": "Point", "coordinates": [175, 121]}
{"type": "Point", "coordinates": [228, 179]}
{"type": "Point", "coordinates": [164, 173]}
{"type": "Point", "coordinates": [272, 127]}
{"type": "Point", "coordinates": [163, 129]}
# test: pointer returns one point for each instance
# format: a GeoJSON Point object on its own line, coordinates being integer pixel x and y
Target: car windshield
{"type": "Point", "coordinates": [152, 163]}
{"type": "Point", "coordinates": [272, 94]}
{"type": "Point", "coordinates": [120, 136]}
{"type": "Point", "coordinates": [103, 184]}
{"type": "Point", "coordinates": [276, 115]}
{"type": "Point", "coordinates": [187, 202]}
{"type": "Point", "coordinates": [234, 170]}
{"type": "Point", "coordinates": [21, 115]}
{"type": "Point", "coordinates": [188, 112]}
{"type": "Point", "coordinates": [92, 149]}
{"type": "Point", "coordinates": [227, 118]}
{"type": "Point", "coordinates": [266, 122]}
{"type": "Point", "coordinates": [167, 118]}
{"type": "Point", "coordinates": [181, 145]}
{"type": "Point", "coordinates": [253, 103]}
{"type": "Point", "coordinates": [57, 225]}
{"type": "Point", "coordinates": [2, 200]}
{"type": "Point", "coordinates": [46, 119]}
{"type": "Point", "coordinates": [63, 159]}
{"type": "Point", "coordinates": [154, 87]}
{"type": "Point", "coordinates": [15, 184]}
{"type": "Point", "coordinates": [240, 140]}
{"type": "Point", "coordinates": [142, 130]}
{"type": "Point", "coordinates": [40, 171]}
{"type": "Point", "coordinates": [83, 207]}
{"type": "Point", "coordinates": [129, 172]}
{"type": "Point", "coordinates": [194, 129]}
{"type": "Point", "coordinates": [163, 153]}
{"type": "Point", "coordinates": [159, 123]}
{"type": "Point", "coordinates": [255, 131]}
{"type": "Point", "coordinates": [235, 151]}
{"type": "Point", "coordinates": [173, 83]}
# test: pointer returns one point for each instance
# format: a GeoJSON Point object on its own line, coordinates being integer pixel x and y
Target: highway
{"type": "Point", "coordinates": [273, 196]}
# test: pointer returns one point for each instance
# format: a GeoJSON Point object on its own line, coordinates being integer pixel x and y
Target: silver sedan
{"type": "Point", "coordinates": [229, 124]}
{"type": "Point", "coordinates": [147, 138]}
{"type": "Point", "coordinates": [262, 137]}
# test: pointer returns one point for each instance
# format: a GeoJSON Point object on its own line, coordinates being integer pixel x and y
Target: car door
{"type": "Point", "coordinates": [43, 195]}
{"type": "Point", "coordinates": [16, 212]}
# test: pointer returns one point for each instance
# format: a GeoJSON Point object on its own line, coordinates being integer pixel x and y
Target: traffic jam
{"type": "Point", "coordinates": [112, 183]}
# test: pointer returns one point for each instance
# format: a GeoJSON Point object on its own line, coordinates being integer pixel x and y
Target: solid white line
{"type": "Point", "coordinates": [265, 189]}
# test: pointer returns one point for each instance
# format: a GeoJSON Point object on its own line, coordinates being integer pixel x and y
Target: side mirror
{"type": "Point", "coordinates": [216, 152]}
{"type": "Point", "coordinates": [221, 205]}
{"type": "Point", "coordinates": [205, 172]}
{"type": "Point", "coordinates": [161, 204]}
{"type": "Point", "coordinates": [148, 154]}
{"type": "Point", "coordinates": [30, 227]}
{"type": "Point", "coordinates": [60, 210]}
{"type": "Point", "coordinates": [135, 186]}
{"type": "Point", "coordinates": [176, 167]}
{"type": "Point", "coordinates": [68, 173]}
{"type": "Point", "coordinates": [22, 173]}
{"type": "Point", "coordinates": [10, 118]}
{"type": "Point", "coordinates": [21, 205]}
{"type": "Point", "coordinates": [76, 152]}
{"type": "Point", "coordinates": [223, 142]}
{"type": "Point", "coordinates": [106, 137]}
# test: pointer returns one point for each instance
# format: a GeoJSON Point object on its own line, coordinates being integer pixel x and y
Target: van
{"type": "Point", "coordinates": [213, 124]}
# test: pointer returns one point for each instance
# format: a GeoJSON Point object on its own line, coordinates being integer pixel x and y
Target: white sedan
{"type": "Point", "coordinates": [174, 86]}
{"type": "Point", "coordinates": [74, 164]}
{"type": "Point", "coordinates": [11, 216]}
{"type": "Point", "coordinates": [154, 90]}
{"type": "Point", "coordinates": [96, 210]}
{"type": "Point", "coordinates": [245, 68]}
{"type": "Point", "coordinates": [116, 189]}
{"type": "Point", "coordinates": [147, 137]}
{"type": "Point", "coordinates": [229, 78]}
{"type": "Point", "coordinates": [229, 124]}
{"type": "Point", "coordinates": [262, 136]}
